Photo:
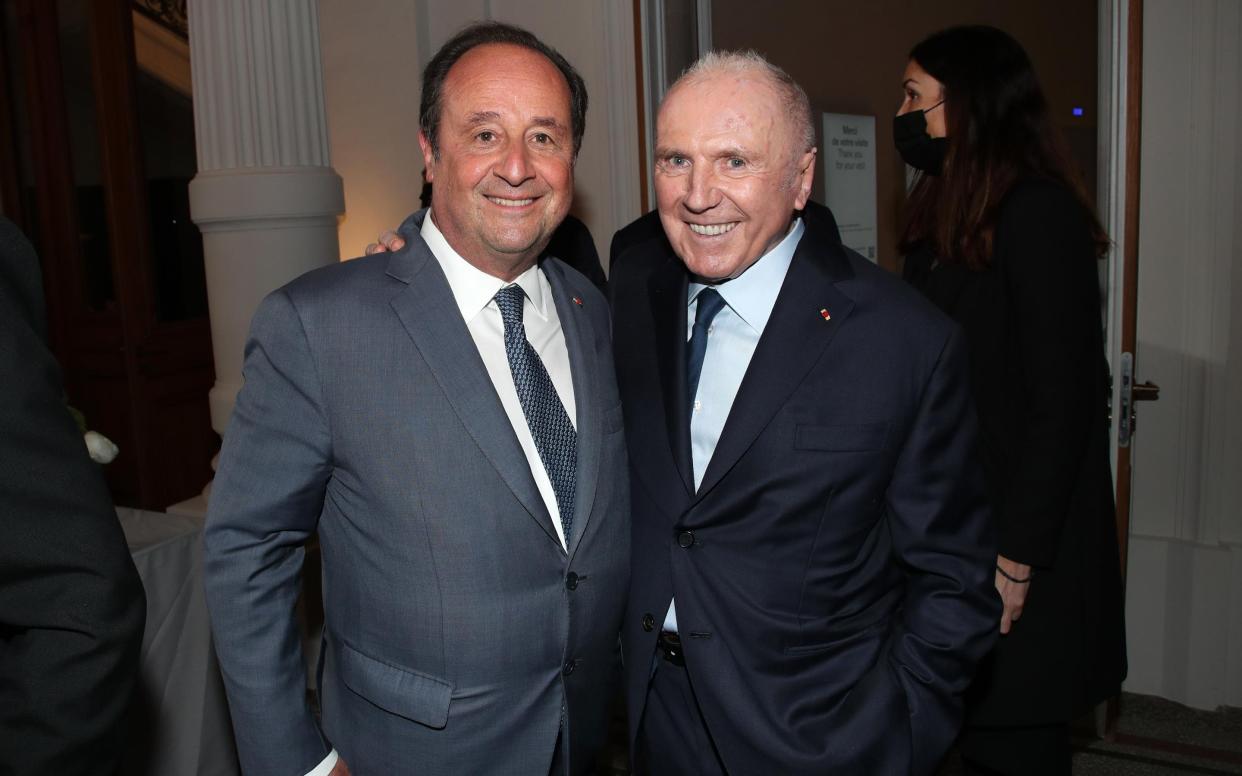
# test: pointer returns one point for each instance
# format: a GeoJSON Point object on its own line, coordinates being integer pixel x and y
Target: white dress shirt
{"type": "Point", "coordinates": [731, 341]}
{"type": "Point", "coordinates": [474, 291]}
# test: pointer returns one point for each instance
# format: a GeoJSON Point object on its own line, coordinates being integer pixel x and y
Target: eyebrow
{"type": "Point", "coordinates": [547, 122]}
{"type": "Point", "coordinates": [484, 116]}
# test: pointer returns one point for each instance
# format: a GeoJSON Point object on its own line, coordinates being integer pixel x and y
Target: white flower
{"type": "Point", "coordinates": [100, 447]}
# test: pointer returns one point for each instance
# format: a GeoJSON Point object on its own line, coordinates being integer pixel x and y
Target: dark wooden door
{"type": "Point", "coordinates": [96, 158]}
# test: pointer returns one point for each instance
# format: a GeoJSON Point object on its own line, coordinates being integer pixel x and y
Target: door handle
{"type": "Point", "coordinates": [1145, 391]}
{"type": "Point", "coordinates": [1131, 392]}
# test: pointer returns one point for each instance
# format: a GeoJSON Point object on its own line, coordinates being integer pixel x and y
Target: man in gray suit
{"type": "Point", "coordinates": [446, 417]}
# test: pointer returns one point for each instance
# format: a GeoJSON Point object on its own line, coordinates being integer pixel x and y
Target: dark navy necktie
{"type": "Point", "coordinates": [710, 302]}
{"type": "Point", "coordinates": [549, 424]}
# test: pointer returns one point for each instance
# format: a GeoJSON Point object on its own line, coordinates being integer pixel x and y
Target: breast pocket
{"type": "Point", "coordinates": [845, 438]}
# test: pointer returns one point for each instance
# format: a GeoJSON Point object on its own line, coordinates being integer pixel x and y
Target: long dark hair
{"type": "Point", "coordinates": [999, 131]}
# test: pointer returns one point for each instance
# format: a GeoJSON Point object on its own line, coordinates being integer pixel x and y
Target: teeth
{"type": "Point", "coordinates": [511, 202]}
{"type": "Point", "coordinates": [711, 230]}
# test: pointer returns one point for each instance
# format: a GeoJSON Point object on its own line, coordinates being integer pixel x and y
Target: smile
{"type": "Point", "coordinates": [511, 202]}
{"type": "Point", "coordinates": [711, 230]}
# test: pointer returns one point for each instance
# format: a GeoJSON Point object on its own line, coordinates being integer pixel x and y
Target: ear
{"type": "Point", "coordinates": [429, 159]}
{"type": "Point", "coordinates": [806, 176]}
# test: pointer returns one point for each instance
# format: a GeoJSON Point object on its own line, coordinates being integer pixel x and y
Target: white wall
{"type": "Point", "coordinates": [373, 54]}
{"type": "Point", "coordinates": [371, 74]}
{"type": "Point", "coordinates": [1184, 598]}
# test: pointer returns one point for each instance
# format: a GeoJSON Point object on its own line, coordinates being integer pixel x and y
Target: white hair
{"type": "Point", "coordinates": [796, 103]}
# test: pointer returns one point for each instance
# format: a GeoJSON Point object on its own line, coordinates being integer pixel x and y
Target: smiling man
{"type": "Point", "coordinates": [446, 418]}
{"type": "Point", "coordinates": [812, 556]}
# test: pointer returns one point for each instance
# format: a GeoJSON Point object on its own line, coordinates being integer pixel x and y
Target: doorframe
{"type": "Point", "coordinates": [1120, 144]}
{"type": "Point", "coordinates": [1120, 82]}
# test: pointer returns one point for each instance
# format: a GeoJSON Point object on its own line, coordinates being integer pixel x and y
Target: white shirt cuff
{"type": "Point", "coordinates": [325, 767]}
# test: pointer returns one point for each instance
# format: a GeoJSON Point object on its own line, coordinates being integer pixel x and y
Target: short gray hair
{"type": "Point", "coordinates": [750, 61]}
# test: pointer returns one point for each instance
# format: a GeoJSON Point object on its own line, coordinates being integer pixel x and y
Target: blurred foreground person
{"type": "Point", "coordinates": [71, 603]}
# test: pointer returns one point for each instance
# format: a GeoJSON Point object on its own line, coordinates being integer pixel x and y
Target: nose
{"type": "Point", "coordinates": [514, 166]}
{"type": "Point", "coordinates": [701, 194]}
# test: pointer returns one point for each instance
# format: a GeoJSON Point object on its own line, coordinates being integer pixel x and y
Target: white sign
{"type": "Point", "coordinates": [849, 179]}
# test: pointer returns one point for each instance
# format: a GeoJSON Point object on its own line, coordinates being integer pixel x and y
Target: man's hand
{"type": "Point", "coordinates": [340, 769]}
{"type": "Point", "coordinates": [1013, 582]}
{"type": "Point", "coordinates": [388, 241]}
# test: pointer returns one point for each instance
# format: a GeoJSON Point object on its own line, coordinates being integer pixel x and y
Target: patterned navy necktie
{"type": "Point", "coordinates": [549, 424]}
{"type": "Point", "coordinates": [710, 302]}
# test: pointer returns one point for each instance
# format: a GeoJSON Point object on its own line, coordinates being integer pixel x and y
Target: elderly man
{"type": "Point", "coordinates": [446, 417]}
{"type": "Point", "coordinates": [812, 555]}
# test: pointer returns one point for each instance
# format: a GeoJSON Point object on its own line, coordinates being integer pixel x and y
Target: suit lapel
{"type": "Point", "coordinates": [579, 341]}
{"type": "Point", "coordinates": [667, 289]}
{"type": "Point", "coordinates": [430, 316]}
{"type": "Point", "coordinates": [808, 313]}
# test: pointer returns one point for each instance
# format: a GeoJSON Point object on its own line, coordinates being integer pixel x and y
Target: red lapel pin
{"type": "Point", "coordinates": [578, 300]}
{"type": "Point", "coordinates": [823, 311]}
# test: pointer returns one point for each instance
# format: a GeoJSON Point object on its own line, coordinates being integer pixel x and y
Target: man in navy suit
{"type": "Point", "coordinates": [812, 555]}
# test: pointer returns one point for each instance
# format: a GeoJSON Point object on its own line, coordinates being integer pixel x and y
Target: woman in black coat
{"type": "Point", "coordinates": [1001, 236]}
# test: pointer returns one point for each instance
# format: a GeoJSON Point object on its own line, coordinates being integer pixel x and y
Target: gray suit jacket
{"type": "Point", "coordinates": [457, 627]}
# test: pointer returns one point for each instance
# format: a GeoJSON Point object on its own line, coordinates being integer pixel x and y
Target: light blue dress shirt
{"type": "Point", "coordinates": [731, 341]}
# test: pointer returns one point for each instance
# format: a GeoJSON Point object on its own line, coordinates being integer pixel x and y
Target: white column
{"type": "Point", "coordinates": [265, 197]}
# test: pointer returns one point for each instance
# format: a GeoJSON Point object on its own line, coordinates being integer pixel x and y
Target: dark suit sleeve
{"type": "Point", "coordinates": [943, 537]}
{"type": "Point", "coordinates": [1045, 253]}
{"type": "Point", "coordinates": [572, 244]}
{"type": "Point", "coordinates": [265, 504]}
{"type": "Point", "coordinates": [71, 604]}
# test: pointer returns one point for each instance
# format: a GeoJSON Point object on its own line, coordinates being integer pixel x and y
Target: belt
{"type": "Point", "coordinates": [669, 645]}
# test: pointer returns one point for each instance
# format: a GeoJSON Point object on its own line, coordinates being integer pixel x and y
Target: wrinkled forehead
{"type": "Point", "coordinates": [715, 107]}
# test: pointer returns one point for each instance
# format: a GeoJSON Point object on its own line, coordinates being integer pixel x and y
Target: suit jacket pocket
{"type": "Point", "coordinates": [844, 632]}
{"type": "Point", "coordinates": [416, 696]}
{"type": "Point", "coordinates": [842, 438]}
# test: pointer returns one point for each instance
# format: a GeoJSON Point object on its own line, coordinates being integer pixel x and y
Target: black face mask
{"type": "Point", "coordinates": [919, 149]}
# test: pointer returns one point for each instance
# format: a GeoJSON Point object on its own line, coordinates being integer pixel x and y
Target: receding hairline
{"type": "Point", "coordinates": [749, 62]}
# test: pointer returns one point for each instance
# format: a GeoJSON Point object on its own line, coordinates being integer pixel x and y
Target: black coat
{"type": "Point", "coordinates": [1040, 383]}
{"type": "Point", "coordinates": [71, 603]}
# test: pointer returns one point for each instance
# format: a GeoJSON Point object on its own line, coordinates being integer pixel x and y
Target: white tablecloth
{"type": "Point", "coordinates": [179, 723]}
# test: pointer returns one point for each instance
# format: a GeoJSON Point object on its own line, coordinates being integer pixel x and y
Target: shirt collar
{"type": "Point", "coordinates": [473, 289]}
{"type": "Point", "coordinates": [752, 294]}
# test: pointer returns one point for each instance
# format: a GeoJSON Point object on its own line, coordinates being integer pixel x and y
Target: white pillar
{"type": "Point", "coordinates": [265, 198]}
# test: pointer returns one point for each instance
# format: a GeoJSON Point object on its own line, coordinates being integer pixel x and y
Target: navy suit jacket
{"type": "Point", "coordinates": [833, 573]}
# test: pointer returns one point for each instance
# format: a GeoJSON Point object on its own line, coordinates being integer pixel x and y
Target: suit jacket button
{"type": "Point", "coordinates": [648, 622]}
{"type": "Point", "coordinates": [685, 539]}
{"type": "Point", "coordinates": [569, 667]}
{"type": "Point", "coordinates": [571, 581]}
